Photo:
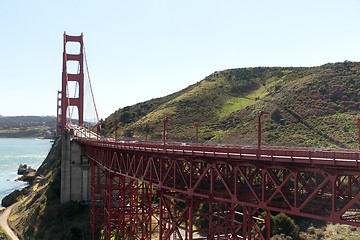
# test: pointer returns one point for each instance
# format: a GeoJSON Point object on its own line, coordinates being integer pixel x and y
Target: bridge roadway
{"type": "Point", "coordinates": [305, 156]}
{"type": "Point", "coordinates": [316, 183]}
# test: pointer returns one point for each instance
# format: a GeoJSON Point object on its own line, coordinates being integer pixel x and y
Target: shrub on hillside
{"type": "Point", "coordinates": [281, 223]}
{"type": "Point", "coordinates": [276, 115]}
{"type": "Point", "coordinates": [281, 237]}
{"type": "Point", "coordinates": [12, 198]}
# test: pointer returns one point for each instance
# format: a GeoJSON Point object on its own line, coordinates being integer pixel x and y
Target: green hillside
{"type": "Point", "coordinates": [27, 127]}
{"type": "Point", "coordinates": [308, 106]}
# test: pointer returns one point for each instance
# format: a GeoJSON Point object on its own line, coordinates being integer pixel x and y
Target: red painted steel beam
{"type": "Point", "coordinates": [69, 38]}
{"type": "Point", "coordinates": [171, 217]}
{"type": "Point", "coordinates": [304, 189]}
{"type": "Point", "coordinates": [121, 207]}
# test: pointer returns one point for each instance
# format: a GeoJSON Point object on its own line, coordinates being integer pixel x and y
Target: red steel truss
{"type": "Point", "coordinates": [123, 208]}
{"type": "Point", "coordinates": [321, 185]}
{"type": "Point", "coordinates": [145, 196]}
{"type": "Point", "coordinates": [204, 192]}
{"type": "Point", "coordinates": [224, 188]}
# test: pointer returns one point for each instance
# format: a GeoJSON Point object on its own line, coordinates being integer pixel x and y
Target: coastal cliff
{"type": "Point", "coordinates": [40, 214]}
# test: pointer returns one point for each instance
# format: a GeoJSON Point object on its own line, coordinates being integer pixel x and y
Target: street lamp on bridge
{"type": "Point", "coordinates": [358, 120]}
{"type": "Point", "coordinates": [146, 132]}
{"type": "Point", "coordinates": [164, 131]}
{"type": "Point", "coordinates": [116, 124]}
{"type": "Point", "coordinates": [98, 130]}
{"type": "Point", "coordinates": [197, 132]}
{"type": "Point", "coordinates": [259, 127]}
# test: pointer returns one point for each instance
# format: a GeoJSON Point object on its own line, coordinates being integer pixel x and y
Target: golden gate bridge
{"type": "Point", "coordinates": [157, 190]}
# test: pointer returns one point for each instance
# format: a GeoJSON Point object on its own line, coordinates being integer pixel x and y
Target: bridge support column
{"type": "Point", "coordinates": [75, 171]}
{"type": "Point", "coordinates": [97, 199]}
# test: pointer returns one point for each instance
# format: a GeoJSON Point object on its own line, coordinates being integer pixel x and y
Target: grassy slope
{"type": "Point", "coordinates": [41, 216]}
{"type": "Point", "coordinates": [314, 107]}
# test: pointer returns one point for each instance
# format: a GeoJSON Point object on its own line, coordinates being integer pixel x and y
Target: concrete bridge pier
{"type": "Point", "coordinates": [75, 171]}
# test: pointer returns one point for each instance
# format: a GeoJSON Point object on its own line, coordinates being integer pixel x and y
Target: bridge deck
{"type": "Point", "coordinates": [316, 183]}
{"type": "Point", "coordinates": [306, 156]}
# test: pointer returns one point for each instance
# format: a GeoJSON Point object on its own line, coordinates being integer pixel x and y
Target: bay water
{"type": "Point", "coordinates": [16, 151]}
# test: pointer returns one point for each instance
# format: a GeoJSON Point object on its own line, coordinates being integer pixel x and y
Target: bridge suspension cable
{"type": "Point", "coordinates": [90, 86]}
{"type": "Point", "coordinates": [89, 101]}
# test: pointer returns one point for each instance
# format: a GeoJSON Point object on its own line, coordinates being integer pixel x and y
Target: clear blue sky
{"type": "Point", "coordinates": [143, 49]}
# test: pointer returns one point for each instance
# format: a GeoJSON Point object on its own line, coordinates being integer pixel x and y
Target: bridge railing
{"type": "Point", "coordinates": [309, 156]}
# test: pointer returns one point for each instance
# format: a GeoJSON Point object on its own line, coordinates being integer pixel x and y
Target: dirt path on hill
{"type": "Point", "coordinates": [4, 222]}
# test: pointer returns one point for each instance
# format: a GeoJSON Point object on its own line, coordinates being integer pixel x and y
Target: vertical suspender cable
{"type": "Point", "coordinates": [92, 94]}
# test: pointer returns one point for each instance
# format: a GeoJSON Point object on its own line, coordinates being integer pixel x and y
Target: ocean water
{"type": "Point", "coordinates": [16, 151]}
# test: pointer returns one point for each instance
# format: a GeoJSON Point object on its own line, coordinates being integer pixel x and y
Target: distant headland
{"type": "Point", "coordinates": [27, 126]}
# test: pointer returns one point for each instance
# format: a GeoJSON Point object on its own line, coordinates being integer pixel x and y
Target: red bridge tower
{"type": "Point", "coordinates": [65, 101]}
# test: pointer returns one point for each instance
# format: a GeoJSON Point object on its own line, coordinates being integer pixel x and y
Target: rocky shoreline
{"type": "Point", "coordinates": [28, 175]}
